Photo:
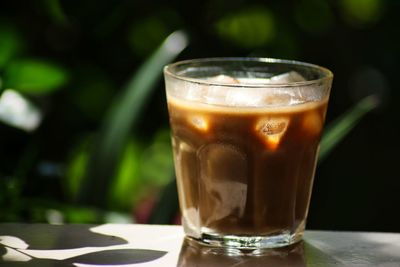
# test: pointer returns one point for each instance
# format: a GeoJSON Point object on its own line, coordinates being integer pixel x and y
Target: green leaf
{"type": "Point", "coordinates": [337, 130]}
{"type": "Point", "coordinates": [76, 167]}
{"type": "Point", "coordinates": [314, 16]}
{"type": "Point", "coordinates": [93, 89]}
{"type": "Point", "coordinates": [145, 35]}
{"type": "Point", "coordinates": [55, 11]}
{"type": "Point", "coordinates": [34, 76]}
{"type": "Point", "coordinates": [10, 44]}
{"type": "Point", "coordinates": [157, 160]}
{"type": "Point", "coordinates": [122, 117]}
{"type": "Point", "coordinates": [167, 205]}
{"type": "Point", "coordinates": [126, 183]}
{"type": "Point", "coordinates": [362, 12]}
{"type": "Point", "coordinates": [80, 214]}
{"type": "Point", "coordinates": [249, 28]}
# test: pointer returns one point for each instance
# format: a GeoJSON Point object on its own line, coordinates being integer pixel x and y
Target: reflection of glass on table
{"type": "Point", "coordinates": [194, 254]}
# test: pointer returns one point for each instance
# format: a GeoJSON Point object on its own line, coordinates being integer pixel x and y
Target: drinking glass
{"type": "Point", "coordinates": [245, 135]}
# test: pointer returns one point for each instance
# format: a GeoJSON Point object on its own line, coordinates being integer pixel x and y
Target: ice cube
{"type": "Point", "coordinates": [271, 130]}
{"type": "Point", "coordinates": [288, 77]}
{"type": "Point", "coordinates": [183, 146]}
{"type": "Point", "coordinates": [254, 80]}
{"type": "Point", "coordinates": [223, 79]}
{"type": "Point", "coordinates": [223, 185]}
{"type": "Point", "coordinates": [194, 92]}
{"type": "Point", "coordinates": [215, 95]}
{"type": "Point", "coordinates": [244, 98]}
{"type": "Point", "coordinates": [199, 122]}
{"type": "Point", "coordinates": [277, 99]}
{"type": "Point", "coordinates": [295, 95]}
{"type": "Point", "coordinates": [312, 123]}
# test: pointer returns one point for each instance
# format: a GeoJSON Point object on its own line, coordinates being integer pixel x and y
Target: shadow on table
{"type": "Point", "coordinates": [105, 257]}
{"type": "Point", "coordinates": [298, 255]}
{"type": "Point", "coordinates": [47, 236]}
{"type": "Point", "coordinates": [23, 246]}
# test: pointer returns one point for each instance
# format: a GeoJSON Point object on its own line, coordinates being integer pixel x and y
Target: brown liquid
{"type": "Point", "coordinates": [244, 171]}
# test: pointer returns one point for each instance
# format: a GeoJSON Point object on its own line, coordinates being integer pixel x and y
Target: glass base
{"type": "Point", "coordinates": [246, 245]}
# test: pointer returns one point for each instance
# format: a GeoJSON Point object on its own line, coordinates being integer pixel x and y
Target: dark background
{"type": "Point", "coordinates": [98, 45]}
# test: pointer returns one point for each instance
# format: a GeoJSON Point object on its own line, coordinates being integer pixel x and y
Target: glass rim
{"type": "Point", "coordinates": [327, 74]}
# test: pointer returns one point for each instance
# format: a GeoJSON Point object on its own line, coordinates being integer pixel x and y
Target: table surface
{"type": "Point", "coordinates": [137, 245]}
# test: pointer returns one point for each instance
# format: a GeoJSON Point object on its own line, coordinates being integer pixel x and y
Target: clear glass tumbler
{"type": "Point", "coordinates": [245, 135]}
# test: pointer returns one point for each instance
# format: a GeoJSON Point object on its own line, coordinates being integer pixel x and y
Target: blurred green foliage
{"type": "Point", "coordinates": [10, 44]}
{"type": "Point", "coordinates": [249, 28]}
{"type": "Point", "coordinates": [314, 16]}
{"type": "Point", "coordinates": [54, 10]}
{"type": "Point", "coordinates": [146, 34]}
{"type": "Point", "coordinates": [34, 76]}
{"type": "Point", "coordinates": [124, 113]}
{"type": "Point", "coordinates": [337, 130]}
{"type": "Point", "coordinates": [93, 69]}
{"type": "Point", "coordinates": [362, 12]}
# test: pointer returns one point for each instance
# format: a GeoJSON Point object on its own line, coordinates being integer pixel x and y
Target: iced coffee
{"type": "Point", "coordinates": [245, 136]}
